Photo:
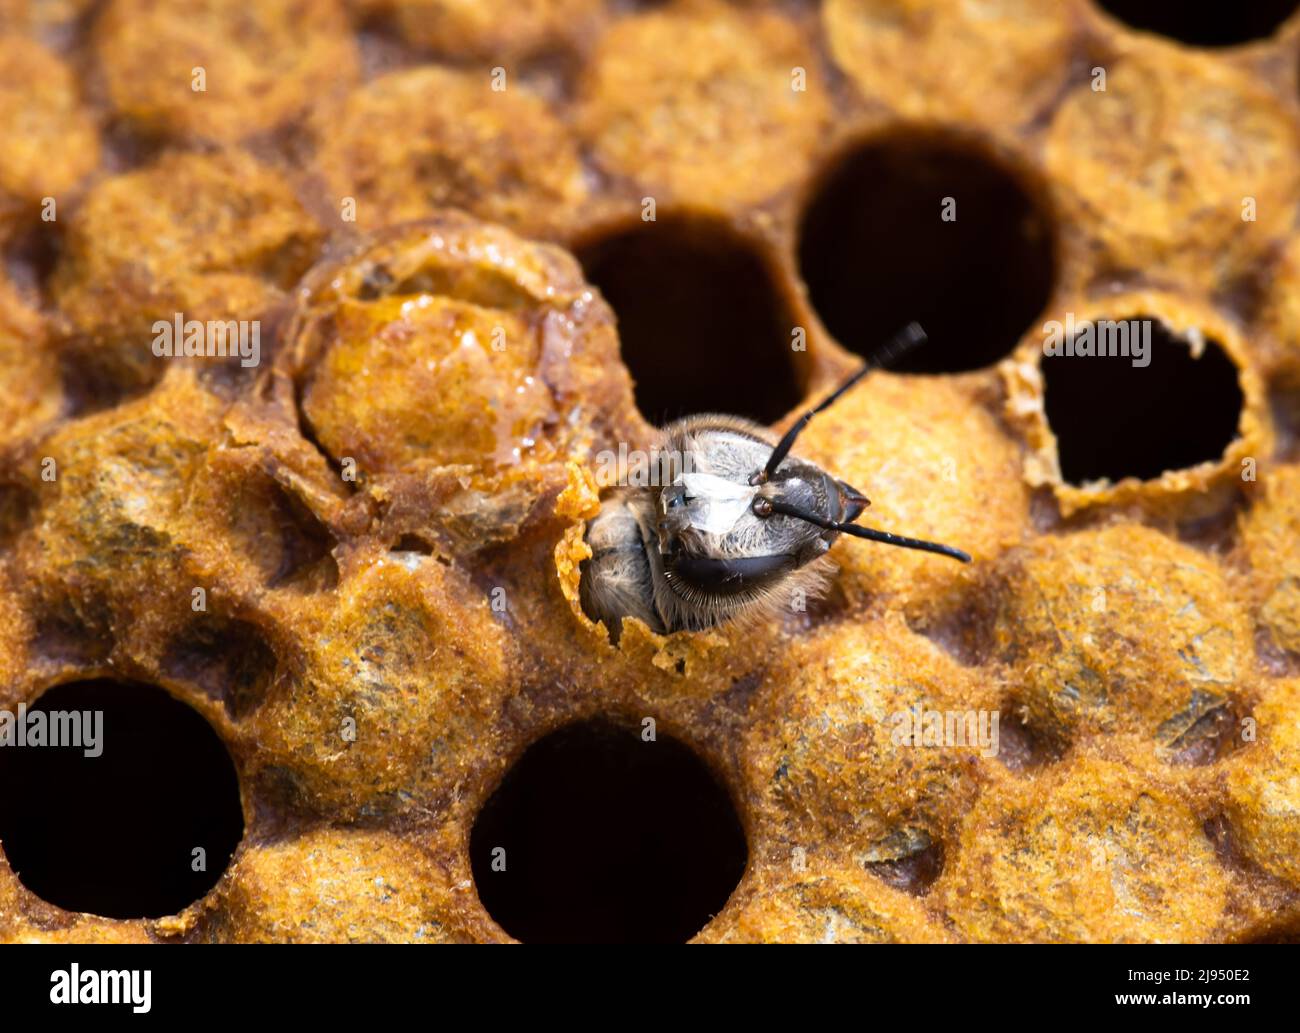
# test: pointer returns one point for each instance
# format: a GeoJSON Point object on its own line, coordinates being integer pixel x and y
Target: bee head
{"type": "Point", "coordinates": [718, 532]}
{"type": "Point", "coordinates": [739, 514]}
{"type": "Point", "coordinates": [728, 516]}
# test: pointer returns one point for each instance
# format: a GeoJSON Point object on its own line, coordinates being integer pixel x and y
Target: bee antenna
{"type": "Point", "coordinates": [870, 534]}
{"type": "Point", "coordinates": [905, 340]}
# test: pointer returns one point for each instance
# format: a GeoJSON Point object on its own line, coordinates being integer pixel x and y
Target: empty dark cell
{"type": "Point", "coordinates": [702, 326]}
{"type": "Point", "coordinates": [607, 839]}
{"type": "Point", "coordinates": [115, 834]}
{"type": "Point", "coordinates": [1203, 24]}
{"type": "Point", "coordinates": [877, 252]}
{"type": "Point", "coordinates": [1113, 419]}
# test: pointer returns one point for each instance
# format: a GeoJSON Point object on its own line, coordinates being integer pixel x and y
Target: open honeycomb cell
{"type": "Point", "coordinates": [487, 246]}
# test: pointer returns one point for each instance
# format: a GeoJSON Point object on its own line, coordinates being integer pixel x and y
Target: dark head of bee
{"type": "Point", "coordinates": [765, 541]}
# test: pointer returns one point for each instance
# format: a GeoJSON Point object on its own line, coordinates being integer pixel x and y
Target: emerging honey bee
{"type": "Point", "coordinates": [732, 528]}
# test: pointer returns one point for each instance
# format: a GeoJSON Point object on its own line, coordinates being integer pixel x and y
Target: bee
{"type": "Point", "coordinates": [734, 525]}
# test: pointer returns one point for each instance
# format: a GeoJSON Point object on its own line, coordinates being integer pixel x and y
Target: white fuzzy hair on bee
{"type": "Point", "coordinates": [735, 526]}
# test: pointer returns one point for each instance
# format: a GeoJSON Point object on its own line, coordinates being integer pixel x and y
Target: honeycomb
{"type": "Point", "coordinates": [332, 583]}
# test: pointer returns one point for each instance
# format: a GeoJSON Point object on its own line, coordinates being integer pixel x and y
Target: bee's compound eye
{"type": "Point", "coordinates": [673, 498]}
